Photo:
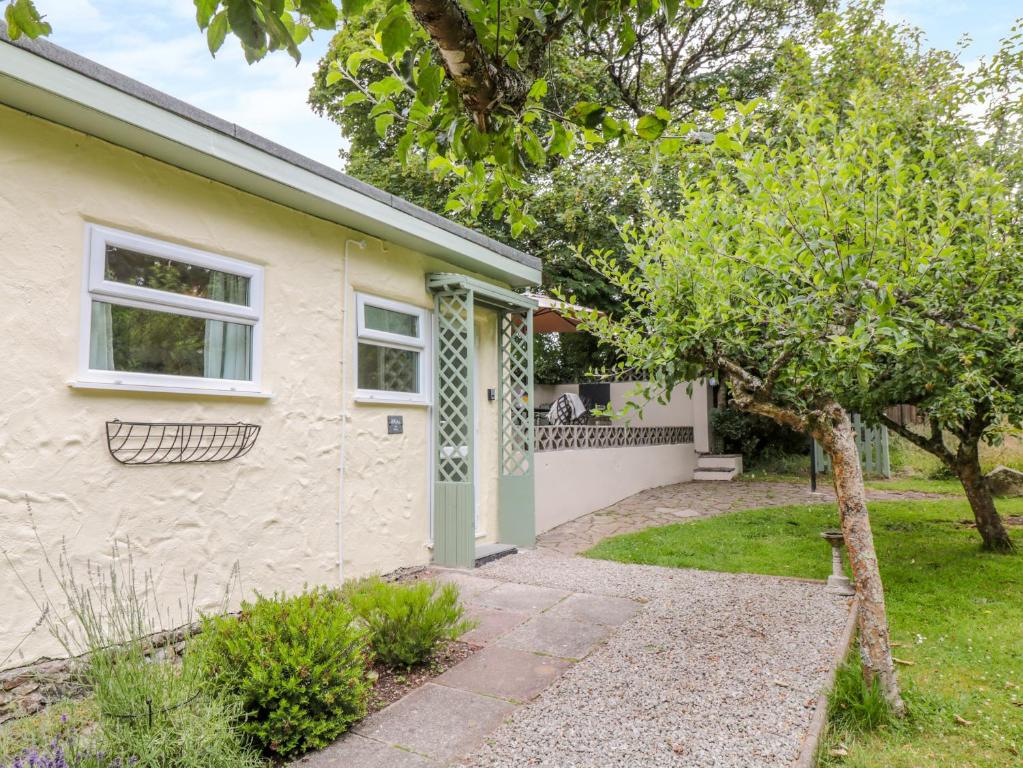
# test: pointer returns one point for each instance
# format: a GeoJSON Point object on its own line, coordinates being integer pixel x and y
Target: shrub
{"type": "Point", "coordinates": [750, 434]}
{"type": "Point", "coordinates": [151, 709]}
{"type": "Point", "coordinates": [407, 621]}
{"type": "Point", "coordinates": [296, 664]}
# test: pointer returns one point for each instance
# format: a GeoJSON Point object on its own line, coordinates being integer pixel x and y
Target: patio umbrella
{"type": "Point", "coordinates": [551, 315]}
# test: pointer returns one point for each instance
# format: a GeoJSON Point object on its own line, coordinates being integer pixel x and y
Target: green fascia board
{"type": "Point", "coordinates": [484, 293]}
{"type": "Point", "coordinates": [187, 138]}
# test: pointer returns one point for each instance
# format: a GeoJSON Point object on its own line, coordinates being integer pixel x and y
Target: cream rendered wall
{"type": "Point", "coordinates": [275, 511]}
{"type": "Point", "coordinates": [565, 487]}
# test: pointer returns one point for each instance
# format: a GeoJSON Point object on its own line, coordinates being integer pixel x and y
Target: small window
{"type": "Point", "coordinates": [390, 351]}
{"type": "Point", "coordinates": [165, 316]}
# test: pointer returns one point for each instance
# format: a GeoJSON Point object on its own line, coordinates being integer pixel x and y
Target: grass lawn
{"type": "Point", "coordinates": [955, 612]}
{"type": "Point", "coordinates": [921, 484]}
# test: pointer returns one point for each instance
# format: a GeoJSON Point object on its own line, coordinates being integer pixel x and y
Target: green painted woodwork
{"type": "Point", "coordinates": [872, 443]}
{"type": "Point", "coordinates": [454, 497]}
{"type": "Point", "coordinates": [516, 516]}
{"type": "Point", "coordinates": [454, 529]}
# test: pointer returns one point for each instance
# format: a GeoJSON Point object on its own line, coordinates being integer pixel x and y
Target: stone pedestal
{"type": "Point", "coordinates": [838, 582]}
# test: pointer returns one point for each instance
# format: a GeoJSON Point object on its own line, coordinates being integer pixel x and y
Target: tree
{"type": "Point", "coordinates": [963, 371]}
{"type": "Point", "coordinates": [682, 66]}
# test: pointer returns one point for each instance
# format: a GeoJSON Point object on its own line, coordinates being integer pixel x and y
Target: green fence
{"type": "Point", "coordinates": [873, 445]}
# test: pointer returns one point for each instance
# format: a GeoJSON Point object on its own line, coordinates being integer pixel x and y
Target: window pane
{"type": "Point", "coordinates": [145, 271]}
{"type": "Point", "coordinates": [387, 369]}
{"type": "Point", "coordinates": [379, 319]}
{"type": "Point", "coordinates": [146, 341]}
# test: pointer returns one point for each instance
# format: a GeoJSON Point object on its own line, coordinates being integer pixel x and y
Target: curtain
{"type": "Point", "coordinates": [227, 347]}
{"type": "Point", "coordinates": [101, 338]}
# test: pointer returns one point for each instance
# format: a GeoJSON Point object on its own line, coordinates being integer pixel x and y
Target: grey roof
{"type": "Point", "coordinates": [109, 77]}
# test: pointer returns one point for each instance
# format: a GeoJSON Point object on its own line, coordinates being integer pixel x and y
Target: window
{"type": "Point", "coordinates": [163, 316]}
{"type": "Point", "coordinates": [391, 363]}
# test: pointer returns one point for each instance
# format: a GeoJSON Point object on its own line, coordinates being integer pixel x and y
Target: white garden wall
{"type": "Point", "coordinates": [572, 483]}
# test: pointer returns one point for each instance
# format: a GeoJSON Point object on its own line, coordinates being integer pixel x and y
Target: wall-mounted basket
{"type": "Point", "coordinates": [146, 442]}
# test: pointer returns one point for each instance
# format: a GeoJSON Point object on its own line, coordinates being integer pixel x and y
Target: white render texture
{"type": "Point", "coordinates": [573, 483]}
{"type": "Point", "coordinates": [273, 512]}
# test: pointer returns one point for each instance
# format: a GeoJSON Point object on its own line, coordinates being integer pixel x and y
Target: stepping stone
{"type": "Point", "coordinates": [595, 609]}
{"type": "Point", "coordinates": [439, 722]}
{"type": "Point", "coordinates": [519, 597]}
{"type": "Point", "coordinates": [556, 637]}
{"type": "Point", "coordinates": [469, 586]}
{"type": "Point", "coordinates": [505, 672]}
{"type": "Point", "coordinates": [354, 750]}
{"type": "Point", "coordinates": [492, 624]}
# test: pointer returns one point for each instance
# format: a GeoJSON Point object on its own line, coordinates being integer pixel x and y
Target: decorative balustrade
{"type": "Point", "coordinates": [567, 437]}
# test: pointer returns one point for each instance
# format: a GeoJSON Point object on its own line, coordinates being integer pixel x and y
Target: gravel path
{"type": "Point", "coordinates": [719, 670]}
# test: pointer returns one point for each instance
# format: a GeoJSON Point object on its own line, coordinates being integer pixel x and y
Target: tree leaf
{"type": "Point", "coordinates": [395, 31]}
{"type": "Point", "coordinates": [245, 23]}
{"type": "Point", "coordinates": [650, 127]}
{"type": "Point", "coordinates": [204, 10]}
{"type": "Point", "coordinates": [382, 123]}
{"type": "Point", "coordinates": [217, 32]}
{"type": "Point", "coordinates": [322, 13]}
{"type": "Point", "coordinates": [23, 18]}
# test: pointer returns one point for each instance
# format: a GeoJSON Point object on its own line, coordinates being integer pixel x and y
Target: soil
{"type": "Point", "coordinates": [393, 684]}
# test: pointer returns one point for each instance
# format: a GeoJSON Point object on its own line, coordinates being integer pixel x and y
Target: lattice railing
{"type": "Point", "coordinates": [565, 437]}
{"type": "Point", "coordinates": [454, 387]}
{"type": "Point", "coordinates": [516, 386]}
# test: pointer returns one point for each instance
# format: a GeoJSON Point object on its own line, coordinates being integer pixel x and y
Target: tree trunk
{"type": "Point", "coordinates": [967, 467]}
{"type": "Point", "coordinates": [838, 440]}
{"type": "Point", "coordinates": [483, 80]}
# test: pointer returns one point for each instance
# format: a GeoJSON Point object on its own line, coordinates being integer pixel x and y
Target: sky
{"type": "Point", "coordinates": [158, 43]}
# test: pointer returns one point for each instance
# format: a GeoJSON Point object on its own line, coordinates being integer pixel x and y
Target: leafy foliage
{"type": "Point", "coordinates": [152, 710]}
{"type": "Point", "coordinates": [296, 664]}
{"type": "Point", "coordinates": [406, 622]}
{"type": "Point", "coordinates": [750, 434]}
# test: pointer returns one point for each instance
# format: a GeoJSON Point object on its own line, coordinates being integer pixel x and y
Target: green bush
{"type": "Point", "coordinates": [751, 435]}
{"type": "Point", "coordinates": [407, 621]}
{"type": "Point", "coordinates": [151, 709]}
{"type": "Point", "coordinates": [297, 664]}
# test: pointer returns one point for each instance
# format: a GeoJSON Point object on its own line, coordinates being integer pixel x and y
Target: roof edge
{"type": "Point", "coordinates": [137, 90]}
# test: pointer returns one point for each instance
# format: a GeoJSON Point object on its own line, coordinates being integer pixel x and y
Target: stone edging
{"type": "Point", "coordinates": [808, 754]}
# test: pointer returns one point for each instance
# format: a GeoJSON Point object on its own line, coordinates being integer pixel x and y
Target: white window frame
{"type": "Point", "coordinates": [96, 287]}
{"type": "Point", "coordinates": [420, 344]}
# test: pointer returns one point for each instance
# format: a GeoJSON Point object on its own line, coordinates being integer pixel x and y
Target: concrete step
{"type": "Point", "coordinates": [720, 474]}
{"type": "Point", "coordinates": [487, 553]}
{"type": "Point", "coordinates": [719, 461]}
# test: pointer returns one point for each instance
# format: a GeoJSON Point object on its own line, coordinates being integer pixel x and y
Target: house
{"type": "Point", "coordinates": [227, 353]}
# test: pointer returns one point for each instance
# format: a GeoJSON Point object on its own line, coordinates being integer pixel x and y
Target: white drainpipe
{"type": "Point", "coordinates": [347, 305]}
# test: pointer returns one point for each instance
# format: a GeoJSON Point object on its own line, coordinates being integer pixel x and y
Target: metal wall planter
{"type": "Point", "coordinates": [149, 442]}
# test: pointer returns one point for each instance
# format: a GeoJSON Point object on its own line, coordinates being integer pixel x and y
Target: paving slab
{"type": "Point", "coordinates": [505, 673]}
{"type": "Point", "coordinates": [596, 609]}
{"type": "Point", "coordinates": [469, 586]}
{"type": "Point", "coordinates": [436, 721]}
{"type": "Point", "coordinates": [492, 623]}
{"type": "Point", "coordinates": [354, 751]}
{"type": "Point", "coordinates": [519, 597]}
{"type": "Point", "coordinates": [557, 637]}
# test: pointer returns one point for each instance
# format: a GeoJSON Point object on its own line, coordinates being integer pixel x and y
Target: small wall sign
{"type": "Point", "coordinates": [395, 425]}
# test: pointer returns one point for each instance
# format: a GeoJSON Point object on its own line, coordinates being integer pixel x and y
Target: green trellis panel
{"type": "Point", "coordinates": [454, 526]}
{"type": "Point", "coordinates": [873, 446]}
{"type": "Point", "coordinates": [516, 491]}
